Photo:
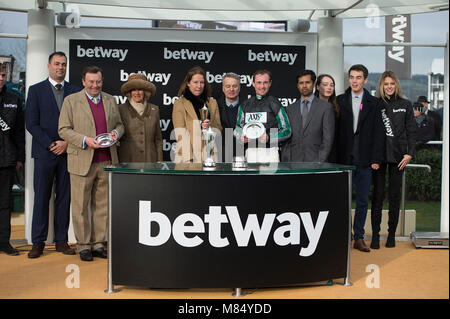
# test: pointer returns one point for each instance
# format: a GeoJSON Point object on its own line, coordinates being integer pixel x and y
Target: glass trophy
{"type": "Point", "coordinates": [209, 137]}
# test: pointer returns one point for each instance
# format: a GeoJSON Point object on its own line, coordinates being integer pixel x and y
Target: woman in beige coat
{"type": "Point", "coordinates": [142, 141]}
{"type": "Point", "coordinates": [194, 93]}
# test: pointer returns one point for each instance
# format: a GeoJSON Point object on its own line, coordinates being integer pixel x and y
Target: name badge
{"type": "Point", "coordinates": [256, 117]}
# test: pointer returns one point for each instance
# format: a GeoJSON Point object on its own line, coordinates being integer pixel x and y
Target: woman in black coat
{"type": "Point", "coordinates": [398, 119]}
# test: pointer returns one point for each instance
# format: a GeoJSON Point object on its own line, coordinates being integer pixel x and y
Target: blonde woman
{"type": "Point", "coordinates": [398, 118]}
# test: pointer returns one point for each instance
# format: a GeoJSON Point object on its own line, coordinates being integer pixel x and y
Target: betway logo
{"type": "Point", "coordinates": [100, 52]}
{"type": "Point", "coordinates": [189, 223]}
{"type": "Point", "coordinates": [186, 54]}
{"type": "Point", "coordinates": [397, 53]}
{"type": "Point", "coordinates": [270, 56]}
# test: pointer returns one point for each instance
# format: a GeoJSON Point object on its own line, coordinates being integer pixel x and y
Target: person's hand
{"type": "Point", "coordinates": [405, 161]}
{"type": "Point", "coordinates": [59, 147]}
{"type": "Point", "coordinates": [18, 165]}
{"type": "Point", "coordinates": [205, 124]}
{"type": "Point", "coordinates": [114, 135]}
{"type": "Point", "coordinates": [91, 142]}
{"type": "Point", "coordinates": [264, 138]}
{"type": "Point", "coordinates": [244, 139]}
{"type": "Point", "coordinates": [375, 166]}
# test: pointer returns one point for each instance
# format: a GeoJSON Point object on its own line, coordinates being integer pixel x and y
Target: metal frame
{"type": "Point", "coordinates": [110, 288]}
{"type": "Point", "coordinates": [402, 203]}
{"type": "Point", "coordinates": [347, 281]}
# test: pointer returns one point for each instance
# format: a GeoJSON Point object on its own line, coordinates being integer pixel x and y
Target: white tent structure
{"type": "Point", "coordinates": [231, 10]}
{"type": "Point", "coordinates": [328, 14]}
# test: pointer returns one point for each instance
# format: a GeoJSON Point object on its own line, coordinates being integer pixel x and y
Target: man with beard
{"type": "Point", "coordinates": [312, 124]}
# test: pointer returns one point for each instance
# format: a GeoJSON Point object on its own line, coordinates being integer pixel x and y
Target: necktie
{"type": "Point", "coordinates": [356, 108]}
{"type": "Point", "coordinates": [58, 86]}
{"type": "Point", "coordinates": [95, 100]}
{"type": "Point", "coordinates": [304, 111]}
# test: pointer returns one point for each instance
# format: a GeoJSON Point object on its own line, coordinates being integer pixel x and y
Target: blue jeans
{"type": "Point", "coordinates": [362, 179]}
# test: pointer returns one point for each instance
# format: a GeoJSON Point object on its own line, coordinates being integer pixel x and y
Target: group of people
{"type": "Point", "coordinates": [64, 121]}
{"type": "Point", "coordinates": [375, 134]}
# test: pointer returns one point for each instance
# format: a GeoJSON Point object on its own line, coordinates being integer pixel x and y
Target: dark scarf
{"type": "Point", "coordinates": [197, 101]}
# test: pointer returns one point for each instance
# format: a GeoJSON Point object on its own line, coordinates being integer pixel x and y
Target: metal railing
{"type": "Point", "coordinates": [402, 204]}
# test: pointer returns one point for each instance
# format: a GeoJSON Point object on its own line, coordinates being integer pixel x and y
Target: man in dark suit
{"type": "Point", "coordinates": [44, 103]}
{"type": "Point", "coordinates": [361, 142]}
{"type": "Point", "coordinates": [425, 127]}
{"type": "Point", "coordinates": [433, 116]}
{"type": "Point", "coordinates": [312, 124]}
{"type": "Point", "coordinates": [228, 104]}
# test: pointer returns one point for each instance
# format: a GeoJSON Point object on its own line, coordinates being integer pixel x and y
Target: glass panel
{"type": "Point", "coordinates": [227, 168]}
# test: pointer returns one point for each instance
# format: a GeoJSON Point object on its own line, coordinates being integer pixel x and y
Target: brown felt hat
{"type": "Point", "coordinates": [138, 81]}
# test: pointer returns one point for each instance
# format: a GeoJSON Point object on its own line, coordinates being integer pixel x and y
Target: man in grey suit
{"type": "Point", "coordinates": [312, 124]}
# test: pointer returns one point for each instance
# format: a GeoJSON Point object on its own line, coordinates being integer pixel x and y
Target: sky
{"type": "Point", "coordinates": [426, 28]}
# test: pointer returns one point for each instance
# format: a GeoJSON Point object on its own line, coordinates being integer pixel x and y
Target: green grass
{"type": "Point", "coordinates": [428, 214]}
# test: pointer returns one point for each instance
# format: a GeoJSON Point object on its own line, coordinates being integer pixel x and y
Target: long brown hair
{"type": "Point", "coordinates": [193, 71]}
{"type": "Point", "coordinates": [332, 99]}
{"type": "Point", "coordinates": [398, 90]}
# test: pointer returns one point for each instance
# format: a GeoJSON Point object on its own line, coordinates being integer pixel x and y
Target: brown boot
{"type": "Point", "coordinates": [36, 251]}
{"type": "Point", "coordinates": [361, 246]}
{"type": "Point", "coordinates": [64, 248]}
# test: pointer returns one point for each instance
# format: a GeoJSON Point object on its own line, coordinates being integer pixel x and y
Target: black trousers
{"type": "Point", "coordinates": [6, 184]}
{"type": "Point", "coordinates": [394, 196]}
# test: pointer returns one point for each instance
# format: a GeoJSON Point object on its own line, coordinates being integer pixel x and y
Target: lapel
{"type": "Point", "coordinates": [348, 106]}
{"type": "Point", "coordinates": [224, 110]}
{"type": "Point", "coordinates": [147, 111]}
{"type": "Point", "coordinates": [296, 115]}
{"type": "Point", "coordinates": [49, 92]}
{"type": "Point", "coordinates": [66, 88]}
{"type": "Point", "coordinates": [107, 108]}
{"type": "Point", "coordinates": [364, 111]}
{"type": "Point", "coordinates": [84, 106]}
{"type": "Point", "coordinates": [190, 109]}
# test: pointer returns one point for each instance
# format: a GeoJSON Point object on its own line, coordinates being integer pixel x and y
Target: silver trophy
{"type": "Point", "coordinates": [209, 137]}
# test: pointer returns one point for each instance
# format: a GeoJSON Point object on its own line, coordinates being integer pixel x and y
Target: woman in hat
{"type": "Point", "coordinates": [398, 119]}
{"type": "Point", "coordinates": [194, 94]}
{"type": "Point", "coordinates": [142, 141]}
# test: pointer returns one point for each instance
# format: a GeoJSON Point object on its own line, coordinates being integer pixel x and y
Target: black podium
{"type": "Point", "coordinates": [269, 225]}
